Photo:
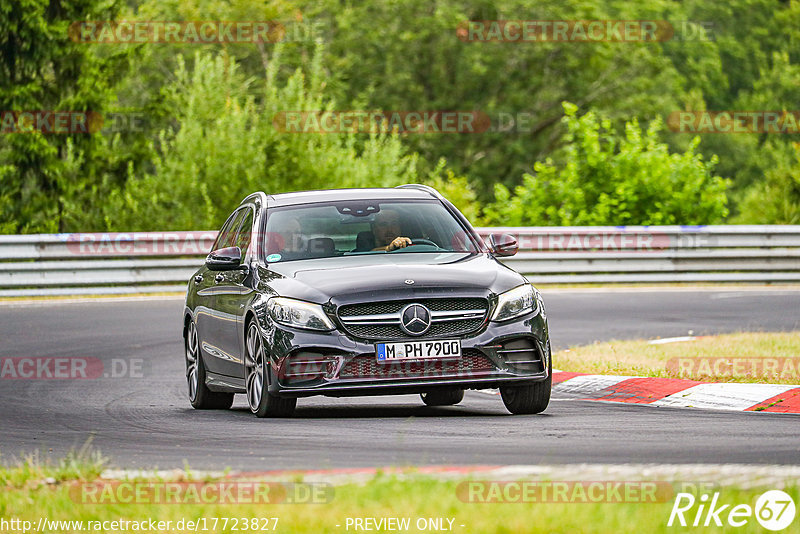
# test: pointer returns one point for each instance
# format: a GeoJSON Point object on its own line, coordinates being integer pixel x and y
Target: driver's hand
{"type": "Point", "coordinates": [399, 242]}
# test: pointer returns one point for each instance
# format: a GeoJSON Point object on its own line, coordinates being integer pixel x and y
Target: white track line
{"type": "Point", "coordinates": [665, 340]}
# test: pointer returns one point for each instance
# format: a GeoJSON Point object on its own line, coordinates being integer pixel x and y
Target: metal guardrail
{"type": "Point", "coordinates": [146, 262]}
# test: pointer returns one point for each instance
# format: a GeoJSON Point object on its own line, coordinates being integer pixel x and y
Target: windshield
{"type": "Point", "coordinates": [362, 227]}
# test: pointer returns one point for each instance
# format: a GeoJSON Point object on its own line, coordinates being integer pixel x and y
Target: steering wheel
{"type": "Point", "coordinates": [421, 241]}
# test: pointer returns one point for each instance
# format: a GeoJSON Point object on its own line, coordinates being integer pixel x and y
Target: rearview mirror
{"type": "Point", "coordinates": [503, 245]}
{"type": "Point", "coordinates": [224, 259]}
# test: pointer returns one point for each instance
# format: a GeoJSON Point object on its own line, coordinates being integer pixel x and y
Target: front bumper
{"type": "Point", "coordinates": [485, 346]}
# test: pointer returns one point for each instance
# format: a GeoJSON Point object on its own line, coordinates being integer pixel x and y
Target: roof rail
{"type": "Point", "coordinates": [421, 187]}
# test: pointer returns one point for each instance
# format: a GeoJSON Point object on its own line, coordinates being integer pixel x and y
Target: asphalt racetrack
{"type": "Point", "coordinates": [146, 421]}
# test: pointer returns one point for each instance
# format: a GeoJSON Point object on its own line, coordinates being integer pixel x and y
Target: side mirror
{"type": "Point", "coordinates": [503, 245]}
{"type": "Point", "coordinates": [224, 259]}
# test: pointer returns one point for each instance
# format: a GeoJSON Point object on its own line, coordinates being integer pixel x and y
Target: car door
{"type": "Point", "coordinates": [212, 339]}
{"type": "Point", "coordinates": [231, 301]}
{"type": "Point", "coordinates": [205, 288]}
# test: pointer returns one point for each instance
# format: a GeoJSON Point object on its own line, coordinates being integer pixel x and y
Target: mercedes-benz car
{"type": "Point", "coordinates": [356, 292]}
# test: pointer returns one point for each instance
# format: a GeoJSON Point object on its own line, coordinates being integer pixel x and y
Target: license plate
{"type": "Point", "coordinates": [418, 350]}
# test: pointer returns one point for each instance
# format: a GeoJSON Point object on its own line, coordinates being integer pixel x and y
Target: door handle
{"type": "Point", "coordinates": [198, 279]}
{"type": "Point", "coordinates": [219, 278]}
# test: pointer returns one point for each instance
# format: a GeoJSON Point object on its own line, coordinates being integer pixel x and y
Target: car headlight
{"type": "Point", "coordinates": [298, 313]}
{"type": "Point", "coordinates": [516, 302]}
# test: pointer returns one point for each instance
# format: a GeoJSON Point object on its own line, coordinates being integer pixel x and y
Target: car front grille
{"type": "Point", "coordinates": [366, 366]}
{"type": "Point", "coordinates": [381, 320]}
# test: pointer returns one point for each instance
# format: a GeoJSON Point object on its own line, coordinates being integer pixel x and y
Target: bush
{"type": "Point", "coordinates": [612, 179]}
{"type": "Point", "coordinates": [776, 200]}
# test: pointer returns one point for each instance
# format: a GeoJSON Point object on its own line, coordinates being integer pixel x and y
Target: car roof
{"type": "Point", "coordinates": [327, 195]}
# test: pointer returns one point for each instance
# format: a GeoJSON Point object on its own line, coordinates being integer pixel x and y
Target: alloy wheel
{"type": "Point", "coordinates": [254, 365]}
{"type": "Point", "coordinates": [192, 360]}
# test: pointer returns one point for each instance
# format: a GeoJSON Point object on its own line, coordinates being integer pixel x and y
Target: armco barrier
{"type": "Point", "coordinates": [145, 262]}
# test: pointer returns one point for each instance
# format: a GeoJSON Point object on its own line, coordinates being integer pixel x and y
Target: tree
{"type": "Point", "coordinates": [41, 69]}
{"type": "Point", "coordinates": [225, 146]}
{"type": "Point", "coordinates": [408, 56]}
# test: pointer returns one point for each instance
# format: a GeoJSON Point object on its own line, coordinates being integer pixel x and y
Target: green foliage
{"type": "Point", "coordinates": [226, 147]}
{"type": "Point", "coordinates": [209, 108]}
{"type": "Point", "coordinates": [457, 190]}
{"type": "Point", "coordinates": [776, 199]}
{"type": "Point", "coordinates": [42, 70]}
{"type": "Point", "coordinates": [613, 179]}
{"type": "Point", "coordinates": [407, 56]}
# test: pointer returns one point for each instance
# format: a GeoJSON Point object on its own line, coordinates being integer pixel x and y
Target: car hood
{"type": "Point", "coordinates": [391, 276]}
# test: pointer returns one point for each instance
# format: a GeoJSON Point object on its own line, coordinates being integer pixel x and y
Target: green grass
{"type": "Point", "coordinates": [780, 352]}
{"type": "Point", "coordinates": [33, 489]}
{"type": "Point", "coordinates": [25, 497]}
{"type": "Point", "coordinates": [85, 463]}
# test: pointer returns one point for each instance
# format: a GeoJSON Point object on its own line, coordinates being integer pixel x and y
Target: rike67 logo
{"type": "Point", "coordinates": [774, 510]}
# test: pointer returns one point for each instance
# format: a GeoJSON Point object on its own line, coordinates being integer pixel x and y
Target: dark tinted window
{"type": "Point", "coordinates": [346, 228]}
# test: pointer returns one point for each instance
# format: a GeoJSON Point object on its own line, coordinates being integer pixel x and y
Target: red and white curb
{"type": "Point", "coordinates": [673, 392]}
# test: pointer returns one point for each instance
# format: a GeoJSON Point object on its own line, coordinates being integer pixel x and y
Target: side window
{"type": "Point", "coordinates": [227, 235]}
{"type": "Point", "coordinates": [245, 231]}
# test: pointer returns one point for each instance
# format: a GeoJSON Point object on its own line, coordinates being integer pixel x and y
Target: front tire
{"type": "Point", "coordinates": [200, 396]}
{"type": "Point", "coordinates": [521, 400]}
{"type": "Point", "coordinates": [261, 401]}
{"type": "Point", "coordinates": [442, 397]}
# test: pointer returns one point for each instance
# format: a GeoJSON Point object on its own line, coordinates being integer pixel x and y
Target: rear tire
{"type": "Point", "coordinates": [521, 400]}
{"type": "Point", "coordinates": [257, 374]}
{"type": "Point", "coordinates": [200, 396]}
{"type": "Point", "coordinates": [442, 397]}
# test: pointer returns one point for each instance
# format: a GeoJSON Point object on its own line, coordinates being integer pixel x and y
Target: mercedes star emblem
{"type": "Point", "coordinates": [415, 319]}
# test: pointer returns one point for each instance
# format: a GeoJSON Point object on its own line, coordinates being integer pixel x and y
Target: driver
{"type": "Point", "coordinates": [386, 229]}
{"type": "Point", "coordinates": [288, 238]}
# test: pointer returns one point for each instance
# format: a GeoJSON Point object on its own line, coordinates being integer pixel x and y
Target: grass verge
{"type": "Point", "coordinates": [742, 357]}
{"type": "Point", "coordinates": [30, 471]}
{"type": "Point", "coordinates": [418, 499]}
